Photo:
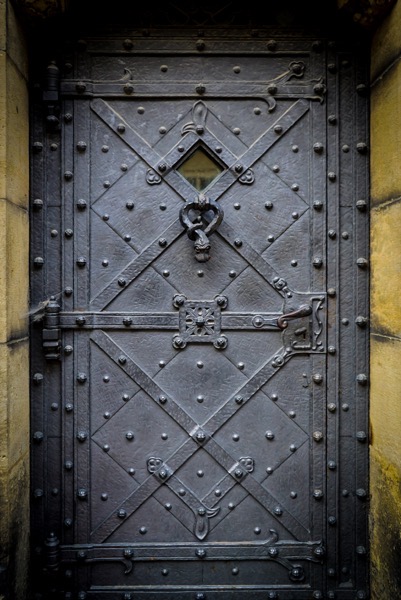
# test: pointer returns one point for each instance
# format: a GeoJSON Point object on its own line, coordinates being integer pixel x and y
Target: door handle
{"type": "Point", "coordinates": [199, 230]}
{"type": "Point", "coordinates": [302, 311]}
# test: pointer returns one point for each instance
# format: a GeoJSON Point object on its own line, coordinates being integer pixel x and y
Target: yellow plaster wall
{"type": "Point", "coordinates": [385, 397]}
{"type": "Point", "coordinates": [14, 345]}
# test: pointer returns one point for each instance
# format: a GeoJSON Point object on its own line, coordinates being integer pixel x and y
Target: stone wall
{"type": "Point", "coordinates": [385, 397]}
{"type": "Point", "coordinates": [14, 347]}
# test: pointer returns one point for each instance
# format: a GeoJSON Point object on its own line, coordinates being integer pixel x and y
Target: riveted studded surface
{"type": "Point", "coordinates": [200, 399]}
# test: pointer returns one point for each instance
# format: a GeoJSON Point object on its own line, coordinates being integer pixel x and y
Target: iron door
{"type": "Point", "coordinates": [199, 354]}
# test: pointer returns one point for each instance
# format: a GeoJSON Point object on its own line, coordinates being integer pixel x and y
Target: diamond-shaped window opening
{"type": "Point", "coordinates": [199, 169]}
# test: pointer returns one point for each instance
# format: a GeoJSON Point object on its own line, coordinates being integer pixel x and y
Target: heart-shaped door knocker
{"type": "Point", "coordinates": [199, 229]}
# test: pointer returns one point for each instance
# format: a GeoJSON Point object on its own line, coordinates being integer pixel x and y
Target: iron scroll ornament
{"type": "Point", "coordinates": [199, 229]}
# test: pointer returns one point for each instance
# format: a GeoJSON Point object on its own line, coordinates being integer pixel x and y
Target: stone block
{"type": "Point", "coordinates": [385, 134]}
{"type": "Point", "coordinates": [386, 269]}
{"type": "Point", "coordinates": [14, 133]}
{"type": "Point", "coordinates": [16, 43]}
{"type": "Point", "coordinates": [14, 271]}
{"type": "Point", "coordinates": [386, 43]}
{"type": "Point", "coordinates": [385, 392]}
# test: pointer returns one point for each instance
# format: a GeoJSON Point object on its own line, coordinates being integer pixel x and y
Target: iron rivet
{"type": "Point", "coordinates": [237, 205]}
{"type": "Point", "coordinates": [168, 506]}
{"type": "Point", "coordinates": [293, 448]}
{"type": "Point", "coordinates": [361, 550]}
{"type": "Point", "coordinates": [38, 493]}
{"type": "Point", "coordinates": [200, 473]}
{"type": "Point", "coordinates": [332, 234]}
{"type": "Point", "coordinates": [362, 263]}
{"type": "Point", "coordinates": [238, 243]}
{"type": "Point", "coordinates": [199, 364]}
{"type": "Point", "coordinates": [295, 187]}
{"type": "Point", "coordinates": [38, 436]}
{"type": "Point", "coordinates": [128, 88]}
{"type": "Point", "coordinates": [332, 465]}
{"type": "Point", "coordinates": [318, 205]}
{"type": "Point", "coordinates": [81, 204]}
{"type": "Point", "coordinates": [239, 399]}
{"type": "Point", "coordinates": [38, 262]}
{"type": "Point", "coordinates": [295, 148]}
{"type": "Point", "coordinates": [129, 435]}
{"type": "Point", "coordinates": [269, 470]}
{"type": "Point", "coordinates": [345, 407]}
{"type": "Point", "coordinates": [142, 530]}
{"type": "Point", "coordinates": [127, 238]}
{"type": "Point", "coordinates": [69, 407]}
{"type": "Point", "coordinates": [293, 494]}
{"type": "Point", "coordinates": [241, 366]}
{"type": "Point", "coordinates": [268, 205]}
{"type": "Point", "coordinates": [232, 274]}
{"type": "Point", "coordinates": [68, 118]}
{"type": "Point", "coordinates": [295, 215]}
{"type": "Point", "coordinates": [362, 147]}
{"type": "Point", "coordinates": [331, 292]}
{"type": "Point", "coordinates": [332, 67]}
{"type": "Point", "coordinates": [319, 88]}
{"type": "Point", "coordinates": [164, 436]}
{"type": "Point", "coordinates": [122, 282]}
{"type": "Point", "coordinates": [200, 437]}
{"type": "Point", "coordinates": [257, 530]}
{"type": "Point", "coordinates": [331, 407]}
{"type": "Point", "coordinates": [125, 397]}
{"type": "Point", "coordinates": [200, 399]}
{"type": "Point", "coordinates": [318, 494]}
{"type": "Point", "coordinates": [239, 168]}
{"type": "Point", "coordinates": [162, 399]}
{"type": "Point", "coordinates": [200, 553]}
{"type": "Point", "coordinates": [37, 204]}
{"type": "Point", "coordinates": [54, 406]}
{"type": "Point", "coordinates": [331, 350]}
{"type": "Point", "coordinates": [235, 437]}
{"type": "Point", "coordinates": [345, 148]}
{"type": "Point", "coordinates": [278, 129]}
{"type": "Point", "coordinates": [121, 513]}
{"type": "Point", "coordinates": [361, 436]}
{"type": "Point", "coordinates": [317, 436]}
{"type": "Point", "coordinates": [80, 87]}
{"type": "Point", "coordinates": [166, 273]}
{"type": "Point", "coordinates": [124, 167]}
{"type": "Point", "coordinates": [106, 447]}
{"type": "Point", "coordinates": [81, 146]}
{"type": "Point", "coordinates": [82, 436]}
{"type": "Point", "coordinates": [361, 205]}
{"type": "Point", "coordinates": [105, 262]}
{"type": "Point", "coordinates": [162, 364]}
{"type": "Point", "coordinates": [292, 414]}
{"type": "Point", "coordinates": [81, 377]}
{"type": "Point", "coordinates": [82, 493]}
{"type": "Point", "coordinates": [162, 242]}
{"type": "Point", "coordinates": [236, 130]}
{"type": "Point", "coordinates": [269, 435]}
{"type": "Point", "coordinates": [131, 471]}
{"type": "Point", "coordinates": [238, 473]}
{"type": "Point", "coordinates": [278, 511]}
{"type": "Point", "coordinates": [276, 169]}
{"type": "Point", "coordinates": [317, 378]}
{"type": "Point", "coordinates": [332, 176]}
{"type": "Point", "coordinates": [120, 128]}
{"type": "Point", "coordinates": [105, 148]}
{"type": "Point", "coordinates": [332, 520]}
{"type": "Point", "coordinates": [361, 493]}
{"type": "Point", "coordinates": [257, 111]}
{"type": "Point", "coordinates": [235, 570]}
{"type": "Point", "coordinates": [273, 551]}
{"type": "Point", "coordinates": [317, 595]}
{"type": "Point", "coordinates": [127, 321]}
{"type": "Point", "coordinates": [200, 89]}
{"type": "Point", "coordinates": [128, 44]}
{"type": "Point", "coordinates": [270, 238]}
{"type": "Point", "coordinates": [37, 378]}
{"type": "Point", "coordinates": [130, 205]}
{"type": "Point", "coordinates": [231, 506]}
{"type": "Point", "coordinates": [81, 261]}
{"type": "Point", "coordinates": [106, 217]}
{"type": "Point", "coordinates": [54, 233]}
{"type": "Point", "coordinates": [106, 184]}
{"type": "Point", "coordinates": [271, 45]}
{"type": "Point", "coordinates": [107, 415]}
{"type": "Point", "coordinates": [362, 379]}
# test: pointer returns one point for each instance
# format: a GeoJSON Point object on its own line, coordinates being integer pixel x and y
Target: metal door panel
{"type": "Point", "coordinates": [200, 405]}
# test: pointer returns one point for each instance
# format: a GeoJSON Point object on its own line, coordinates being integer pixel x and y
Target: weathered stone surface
{"type": "Point", "coordinates": [386, 44]}
{"type": "Point", "coordinates": [385, 132]}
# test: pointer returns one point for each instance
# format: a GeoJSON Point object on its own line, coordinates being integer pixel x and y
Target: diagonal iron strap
{"type": "Point", "coordinates": [197, 438]}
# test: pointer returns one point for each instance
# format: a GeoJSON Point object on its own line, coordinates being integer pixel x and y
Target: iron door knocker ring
{"type": "Point", "coordinates": [198, 230]}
